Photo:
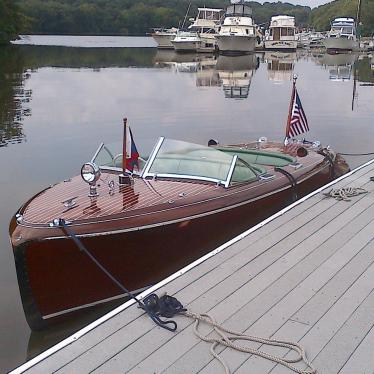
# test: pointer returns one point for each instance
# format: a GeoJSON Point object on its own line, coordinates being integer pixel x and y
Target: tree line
{"type": "Point", "coordinates": [10, 20]}
{"type": "Point", "coordinates": [137, 17]}
{"type": "Point", "coordinates": [131, 17]}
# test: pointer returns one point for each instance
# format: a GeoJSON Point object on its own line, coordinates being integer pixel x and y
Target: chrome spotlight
{"type": "Point", "coordinates": [90, 173]}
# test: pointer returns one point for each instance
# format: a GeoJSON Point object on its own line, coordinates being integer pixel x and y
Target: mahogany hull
{"type": "Point", "coordinates": [56, 279]}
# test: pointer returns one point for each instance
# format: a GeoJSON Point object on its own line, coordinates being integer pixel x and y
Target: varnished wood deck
{"type": "Point", "coordinates": [305, 276]}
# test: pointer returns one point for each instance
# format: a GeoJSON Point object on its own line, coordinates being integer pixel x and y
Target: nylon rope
{"type": "Point", "coordinates": [227, 337]}
{"type": "Point", "coordinates": [344, 193]}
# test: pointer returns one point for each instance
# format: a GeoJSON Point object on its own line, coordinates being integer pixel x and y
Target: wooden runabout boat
{"type": "Point", "coordinates": [186, 200]}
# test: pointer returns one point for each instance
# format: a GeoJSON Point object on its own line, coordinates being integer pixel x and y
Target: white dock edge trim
{"type": "Point", "coordinates": [71, 339]}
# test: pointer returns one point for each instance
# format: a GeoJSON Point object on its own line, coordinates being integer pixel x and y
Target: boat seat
{"type": "Point", "coordinates": [254, 156]}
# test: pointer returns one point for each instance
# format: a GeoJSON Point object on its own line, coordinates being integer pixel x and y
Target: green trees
{"type": "Point", "coordinates": [131, 17]}
{"type": "Point", "coordinates": [9, 21]}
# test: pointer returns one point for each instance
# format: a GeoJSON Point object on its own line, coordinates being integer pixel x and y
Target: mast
{"type": "Point", "coordinates": [291, 106]}
{"type": "Point", "coordinates": [358, 19]}
{"type": "Point", "coordinates": [185, 17]}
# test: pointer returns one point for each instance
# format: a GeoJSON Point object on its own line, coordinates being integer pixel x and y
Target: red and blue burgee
{"type": "Point", "coordinates": [132, 154]}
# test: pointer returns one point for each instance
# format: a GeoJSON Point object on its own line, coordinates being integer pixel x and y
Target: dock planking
{"type": "Point", "coordinates": [304, 276]}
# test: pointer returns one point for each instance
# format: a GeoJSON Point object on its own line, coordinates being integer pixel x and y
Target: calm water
{"type": "Point", "coordinates": [58, 103]}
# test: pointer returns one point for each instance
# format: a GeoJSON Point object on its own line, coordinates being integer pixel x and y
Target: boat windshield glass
{"type": "Point", "coordinates": [109, 156]}
{"type": "Point", "coordinates": [174, 158]}
{"type": "Point", "coordinates": [238, 10]}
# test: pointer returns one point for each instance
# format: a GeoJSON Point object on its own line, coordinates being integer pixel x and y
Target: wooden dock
{"type": "Point", "coordinates": [304, 275]}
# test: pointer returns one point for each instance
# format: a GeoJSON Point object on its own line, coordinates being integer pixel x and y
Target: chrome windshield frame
{"type": "Point", "coordinates": [154, 153]}
{"type": "Point", "coordinates": [145, 173]}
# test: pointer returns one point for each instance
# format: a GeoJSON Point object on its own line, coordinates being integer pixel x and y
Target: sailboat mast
{"type": "Point", "coordinates": [358, 19]}
{"type": "Point", "coordinates": [185, 17]}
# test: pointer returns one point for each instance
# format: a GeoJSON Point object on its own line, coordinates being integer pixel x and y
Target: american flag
{"type": "Point", "coordinates": [298, 123]}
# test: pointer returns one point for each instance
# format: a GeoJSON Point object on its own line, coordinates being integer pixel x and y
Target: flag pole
{"type": "Point", "coordinates": [124, 179]}
{"type": "Point", "coordinates": [290, 107]}
{"type": "Point", "coordinates": [124, 154]}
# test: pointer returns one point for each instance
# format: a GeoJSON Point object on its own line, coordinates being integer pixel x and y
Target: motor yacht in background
{"type": "Point", "coordinates": [235, 73]}
{"type": "Point", "coordinates": [186, 41]}
{"type": "Point", "coordinates": [163, 37]}
{"type": "Point", "coordinates": [316, 40]}
{"type": "Point", "coordinates": [237, 34]}
{"type": "Point", "coordinates": [206, 24]}
{"type": "Point", "coordinates": [200, 35]}
{"type": "Point", "coordinates": [281, 34]}
{"type": "Point", "coordinates": [342, 36]}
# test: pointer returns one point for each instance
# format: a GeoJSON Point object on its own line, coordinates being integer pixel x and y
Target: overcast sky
{"type": "Point", "coordinates": [311, 3]}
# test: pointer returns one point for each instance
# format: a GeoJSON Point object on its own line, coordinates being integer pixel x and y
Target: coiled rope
{"type": "Point", "coordinates": [227, 338]}
{"type": "Point", "coordinates": [344, 193]}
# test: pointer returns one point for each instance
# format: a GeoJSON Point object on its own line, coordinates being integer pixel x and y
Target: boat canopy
{"type": "Point", "coordinates": [239, 10]}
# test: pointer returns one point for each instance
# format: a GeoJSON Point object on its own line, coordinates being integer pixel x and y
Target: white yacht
{"type": "Point", "coordinates": [186, 41]}
{"type": "Point", "coordinates": [238, 32]}
{"type": "Point", "coordinates": [163, 37]}
{"type": "Point", "coordinates": [281, 34]}
{"type": "Point", "coordinates": [200, 35]}
{"type": "Point", "coordinates": [342, 36]}
{"type": "Point", "coordinates": [206, 24]}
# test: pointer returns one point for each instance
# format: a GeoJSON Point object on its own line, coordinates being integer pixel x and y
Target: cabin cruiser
{"type": "Point", "coordinates": [183, 201]}
{"type": "Point", "coordinates": [200, 35]}
{"type": "Point", "coordinates": [237, 34]}
{"type": "Point", "coordinates": [316, 40]}
{"type": "Point", "coordinates": [186, 41]}
{"type": "Point", "coordinates": [281, 34]}
{"type": "Point", "coordinates": [342, 36]}
{"type": "Point", "coordinates": [235, 73]}
{"type": "Point", "coordinates": [163, 37]}
{"type": "Point", "coordinates": [206, 25]}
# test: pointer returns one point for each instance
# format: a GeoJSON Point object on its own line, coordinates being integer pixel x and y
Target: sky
{"type": "Point", "coordinates": [311, 3]}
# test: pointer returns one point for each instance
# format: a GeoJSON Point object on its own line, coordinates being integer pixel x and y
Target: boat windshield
{"type": "Point", "coordinates": [178, 159]}
{"type": "Point", "coordinates": [238, 10]}
{"type": "Point", "coordinates": [109, 157]}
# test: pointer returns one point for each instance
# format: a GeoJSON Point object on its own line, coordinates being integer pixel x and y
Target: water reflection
{"type": "Point", "coordinates": [365, 67]}
{"type": "Point", "coordinates": [235, 73]}
{"type": "Point", "coordinates": [340, 66]}
{"type": "Point", "coordinates": [13, 97]}
{"type": "Point", "coordinates": [280, 65]}
{"type": "Point", "coordinates": [163, 93]}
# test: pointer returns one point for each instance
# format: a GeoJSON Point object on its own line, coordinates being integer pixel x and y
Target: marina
{"type": "Point", "coordinates": [302, 275]}
{"type": "Point", "coordinates": [232, 99]}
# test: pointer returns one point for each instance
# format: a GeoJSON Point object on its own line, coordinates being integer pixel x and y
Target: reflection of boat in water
{"type": "Point", "coordinates": [340, 65]}
{"type": "Point", "coordinates": [187, 200]}
{"type": "Point", "coordinates": [203, 65]}
{"type": "Point", "coordinates": [236, 74]}
{"type": "Point", "coordinates": [280, 65]}
{"type": "Point", "coordinates": [342, 36]}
